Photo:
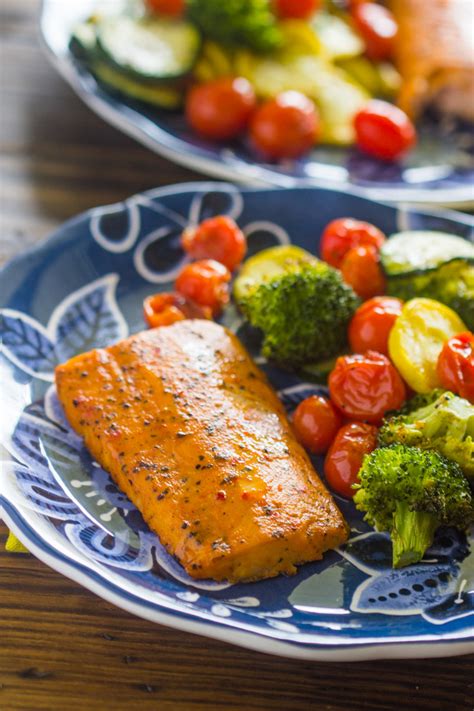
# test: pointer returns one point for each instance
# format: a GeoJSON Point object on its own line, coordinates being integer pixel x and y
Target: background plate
{"type": "Point", "coordinates": [84, 288]}
{"type": "Point", "coordinates": [439, 171]}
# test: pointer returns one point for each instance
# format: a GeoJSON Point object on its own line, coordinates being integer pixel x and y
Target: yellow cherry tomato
{"type": "Point", "coordinates": [417, 338]}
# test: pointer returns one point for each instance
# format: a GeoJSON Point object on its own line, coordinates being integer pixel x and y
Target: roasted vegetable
{"type": "Point", "coordinates": [300, 303]}
{"type": "Point", "coordinates": [417, 338]}
{"type": "Point", "coordinates": [237, 23]}
{"type": "Point", "coordinates": [445, 424]}
{"type": "Point", "coordinates": [148, 48]}
{"type": "Point", "coordinates": [435, 265]}
{"type": "Point", "coordinates": [410, 492]}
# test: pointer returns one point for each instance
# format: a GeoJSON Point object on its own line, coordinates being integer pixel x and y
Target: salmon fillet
{"type": "Point", "coordinates": [435, 55]}
{"type": "Point", "coordinates": [192, 432]}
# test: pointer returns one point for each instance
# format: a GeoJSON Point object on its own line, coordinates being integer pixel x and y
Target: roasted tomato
{"type": "Point", "coordinates": [365, 387]}
{"type": "Point", "coordinates": [300, 9]}
{"type": "Point", "coordinates": [372, 322]}
{"type": "Point", "coordinates": [166, 308]}
{"type": "Point", "coordinates": [344, 458]}
{"type": "Point", "coordinates": [344, 233]}
{"type": "Point", "coordinates": [455, 366]}
{"type": "Point", "coordinates": [316, 422]}
{"type": "Point", "coordinates": [206, 283]}
{"type": "Point", "coordinates": [361, 269]}
{"type": "Point", "coordinates": [378, 28]}
{"type": "Point", "coordinates": [217, 238]}
{"type": "Point", "coordinates": [285, 127]}
{"type": "Point", "coordinates": [383, 130]}
{"type": "Point", "coordinates": [220, 109]}
{"type": "Point", "coordinates": [172, 8]}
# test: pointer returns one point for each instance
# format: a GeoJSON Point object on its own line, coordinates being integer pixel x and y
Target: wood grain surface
{"type": "Point", "coordinates": [60, 646]}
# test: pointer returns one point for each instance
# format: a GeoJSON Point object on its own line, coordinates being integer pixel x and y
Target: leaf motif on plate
{"type": "Point", "coordinates": [88, 318]}
{"type": "Point", "coordinates": [27, 344]}
{"type": "Point", "coordinates": [371, 552]}
{"type": "Point", "coordinates": [114, 550]}
{"type": "Point", "coordinates": [43, 495]}
{"type": "Point", "coordinates": [407, 591]}
{"type": "Point", "coordinates": [459, 604]}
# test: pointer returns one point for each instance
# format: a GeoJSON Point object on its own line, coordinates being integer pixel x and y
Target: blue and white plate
{"type": "Point", "coordinates": [439, 171]}
{"type": "Point", "coordinates": [84, 288]}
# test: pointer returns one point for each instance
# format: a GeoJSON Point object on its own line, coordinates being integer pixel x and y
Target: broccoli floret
{"type": "Point", "coordinates": [444, 423]}
{"type": "Point", "coordinates": [452, 284]}
{"type": "Point", "coordinates": [237, 23]}
{"type": "Point", "coordinates": [303, 313]}
{"type": "Point", "coordinates": [410, 492]}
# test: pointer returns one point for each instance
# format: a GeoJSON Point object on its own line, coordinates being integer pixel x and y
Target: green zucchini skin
{"type": "Point", "coordinates": [433, 265]}
{"type": "Point", "coordinates": [148, 49]}
{"type": "Point", "coordinates": [414, 253]}
{"type": "Point", "coordinates": [164, 95]}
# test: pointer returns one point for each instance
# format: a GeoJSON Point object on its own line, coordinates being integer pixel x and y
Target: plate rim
{"type": "Point", "coordinates": [349, 651]}
{"type": "Point", "coordinates": [210, 184]}
{"type": "Point", "coordinates": [457, 196]}
{"type": "Point", "coordinates": [338, 651]}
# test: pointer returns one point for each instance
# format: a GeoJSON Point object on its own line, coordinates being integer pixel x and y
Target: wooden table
{"type": "Point", "coordinates": [60, 646]}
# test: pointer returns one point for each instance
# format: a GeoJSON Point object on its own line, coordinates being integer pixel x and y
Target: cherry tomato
{"type": "Point", "coordinates": [455, 366]}
{"type": "Point", "coordinates": [221, 108]}
{"type": "Point", "coordinates": [286, 126]}
{"type": "Point", "coordinates": [378, 29]}
{"type": "Point", "coordinates": [365, 387]}
{"type": "Point", "coordinates": [361, 270]}
{"type": "Point", "coordinates": [341, 235]}
{"type": "Point", "coordinates": [383, 130]}
{"type": "Point", "coordinates": [166, 308]}
{"type": "Point", "coordinates": [372, 323]}
{"type": "Point", "coordinates": [344, 458]}
{"type": "Point", "coordinates": [172, 8]}
{"type": "Point", "coordinates": [205, 282]}
{"type": "Point", "coordinates": [316, 422]}
{"type": "Point", "coordinates": [217, 238]}
{"type": "Point", "coordinates": [301, 9]}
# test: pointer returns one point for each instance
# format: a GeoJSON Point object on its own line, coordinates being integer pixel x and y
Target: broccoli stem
{"type": "Point", "coordinates": [412, 534]}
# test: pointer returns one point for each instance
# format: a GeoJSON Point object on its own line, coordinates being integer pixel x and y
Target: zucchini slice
{"type": "Point", "coordinates": [418, 251]}
{"type": "Point", "coordinates": [165, 97]}
{"type": "Point", "coordinates": [266, 265]}
{"type": "Point", "coordinates": [84, 39]}
{"type": "Point", "coordinates": [156, 49]}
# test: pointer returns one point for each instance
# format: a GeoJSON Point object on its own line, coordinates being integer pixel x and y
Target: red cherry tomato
{"type": "Point", "coordinates": [344, 458]}
{"type": "Point", "coordinates": [285, 127]}
{"type": "Point", "coordinates": [301, 9]}
{"type": "Point", "coordinates": [378, 29]}
{"type": "Point", "coordinates": [456, 365]}
{"type": "Point", "coordinates": [206, 283]}
{"type": "Point", "coordinates": [365, 387]}
{"type": "Point", "coordinates": [361, 269]}
{"type": "Point", "coordinates": [342, 234]}
{"type": "Point", "coordinates": [316, 422]}
{"type": "Point", "coordinates": [383, 130]}
{"type": "Point", "coordinates": [172, 8]}
{"type": "Point", "coordinates": [217, 238]}
{"type": "Point", "coordinates": [372, 322]}
{"type": "Point", "coordinates": [220, 109]}
{"type": "Point", "coordinates": [166, 308]}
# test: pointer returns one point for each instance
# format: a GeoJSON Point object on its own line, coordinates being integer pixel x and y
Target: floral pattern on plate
{"type": "Point", "coordinates": [69, 511]}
